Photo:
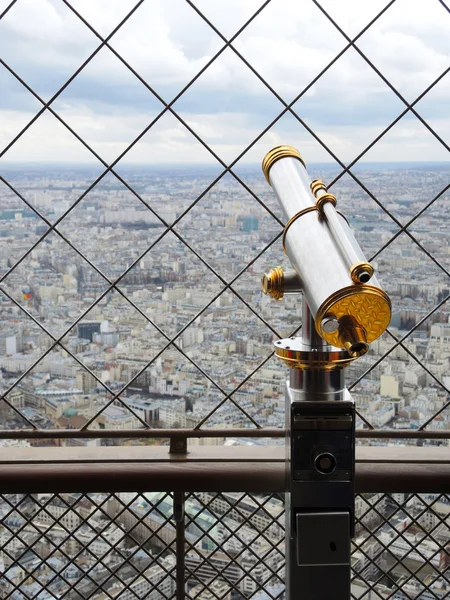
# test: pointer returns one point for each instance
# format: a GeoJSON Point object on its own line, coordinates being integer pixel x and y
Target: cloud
{"type": "Point", "coordinates": [167, 43]}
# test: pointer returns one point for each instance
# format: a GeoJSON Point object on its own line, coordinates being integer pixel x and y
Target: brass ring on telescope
{"type": "Point", "coordinates": [358, 268]}
{"type": "Point", "coordinates": [275, 154]}
{"type": "Point", "coordinates": [317, 185]}
{"type": "Point", "coordinates": [272, 283]}
{"type": "Point", "coordinates": [294, 218]}
{"type": "Point", "coordinates": [324, 199]}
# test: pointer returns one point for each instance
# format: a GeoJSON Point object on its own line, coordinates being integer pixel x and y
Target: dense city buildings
{"type": "Point", "coordinates": [189, 272]}
{"type": "Point", "coordinates": [143, 307]}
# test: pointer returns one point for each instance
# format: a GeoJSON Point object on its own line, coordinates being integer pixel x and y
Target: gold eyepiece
{"type": "Point", "coordinates": [275, 154]}
{"type": "Point", "coordinates": [273, 283]}
{"type": "Point", "coordinates": [361, 272]}
{"type": "Point", "coordinates": [353, 336]}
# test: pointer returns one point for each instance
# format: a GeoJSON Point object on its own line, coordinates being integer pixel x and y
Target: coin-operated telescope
{"type": "Point", "coordinates": [344, 309]}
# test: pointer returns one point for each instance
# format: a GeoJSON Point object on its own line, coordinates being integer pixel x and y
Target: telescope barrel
{"type": "Point", "coordinates": [360, 270]}
{"type": "Point", "coordinates": [348, 312]}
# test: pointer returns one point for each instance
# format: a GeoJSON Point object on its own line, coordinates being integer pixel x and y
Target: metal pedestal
{"type": "Point", "coordinates": [320, 470]}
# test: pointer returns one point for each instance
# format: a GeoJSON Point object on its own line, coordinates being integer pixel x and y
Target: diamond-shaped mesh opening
{"type": "Point", "coordinates": [108, 127]}
{"type": "Point", "coordinates": [411, 186]}
{"type": "Point", "coordinates": [49, 284]}
{"type": "Point", "coordinates": [44, 43]}
{"type": "Point", "coordinates": [393, 42]}
{"type": "Point", "coordinates": [170, 275]}
{"type": "Point", "coordinates": [293, 41]}
{"type": "Point", "coordinates": [230, 219]}
{"type": "Point", "coordinates": [137, 226]}
{"type": "Point", "coordinates": [101, 222]}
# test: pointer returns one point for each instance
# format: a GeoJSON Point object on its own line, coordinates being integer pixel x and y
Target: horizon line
{"type": "Point", "coordinates": [186, 164]}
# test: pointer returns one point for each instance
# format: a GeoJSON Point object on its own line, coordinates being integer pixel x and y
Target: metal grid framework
{"type": "Point", "coordinates": [227, 168]}
{"type": "Point", "coordinates": [207, 545]}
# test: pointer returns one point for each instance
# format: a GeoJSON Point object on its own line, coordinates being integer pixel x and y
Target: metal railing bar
{"type": "Point", "coordinates": [143, 433]}
{"type": "Point", "coordinates": [30, 434]}
{"type": "Point", "coordinates": [194, 476]}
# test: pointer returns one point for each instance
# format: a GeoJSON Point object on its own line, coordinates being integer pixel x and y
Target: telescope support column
{"type": "Point", "coordinates": [320, 471]}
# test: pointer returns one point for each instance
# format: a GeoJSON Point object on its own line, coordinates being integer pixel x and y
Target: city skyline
{"type": "Point", "coordinates": [221, 335]}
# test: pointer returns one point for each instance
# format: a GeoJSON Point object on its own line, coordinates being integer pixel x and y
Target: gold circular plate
{"type": "Point", "coordinates": [369, 306]}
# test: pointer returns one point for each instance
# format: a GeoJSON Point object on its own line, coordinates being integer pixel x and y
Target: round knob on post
{"type": "Point", "coordinates": [273, 283]}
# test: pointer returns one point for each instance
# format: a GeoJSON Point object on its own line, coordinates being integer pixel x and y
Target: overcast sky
{"type": "Point", "coordinates": [167, 43]}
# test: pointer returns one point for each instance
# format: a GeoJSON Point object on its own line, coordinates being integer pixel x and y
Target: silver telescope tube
{"type": "Point", "coordinates": [348, 311]}
{"type": "Point", "coordinates": [360, 270]}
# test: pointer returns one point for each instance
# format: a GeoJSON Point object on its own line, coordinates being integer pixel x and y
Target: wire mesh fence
{"type": "Point", "coordinates": [230, 545]}
{"type": "Point", "coordinates": [117, 314]}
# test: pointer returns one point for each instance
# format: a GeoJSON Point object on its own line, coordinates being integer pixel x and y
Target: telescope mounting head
{"type": "Point", "coordinates": [341, 294]}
